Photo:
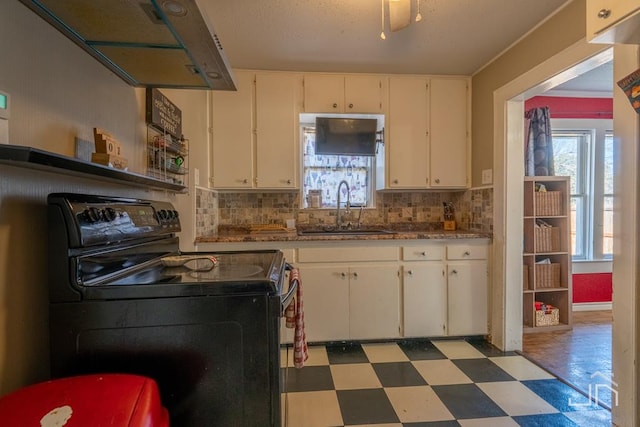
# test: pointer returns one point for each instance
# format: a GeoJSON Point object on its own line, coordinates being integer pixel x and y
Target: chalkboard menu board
{"type": "Point", "coordinates": [163, 114]}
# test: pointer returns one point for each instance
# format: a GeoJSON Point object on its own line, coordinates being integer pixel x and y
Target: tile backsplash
{"type": "Point", "coordinates": [473, 209]}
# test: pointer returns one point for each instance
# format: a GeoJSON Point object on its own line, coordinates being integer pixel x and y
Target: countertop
{"type": "Point", "coordinates": [233, 234]}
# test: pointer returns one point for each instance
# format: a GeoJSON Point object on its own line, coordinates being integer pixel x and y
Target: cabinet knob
{"type": "Point", "coordinates": [454, 271]}
{"type": "Point", "coordinates": [335, 105]}
{"type": "Point", "coordinates": [424, 253]}
{"type": "Point", "coordinates": [355, 275]}
{"type": "Point", "coordinates": [604, 13]}
{"type": "Point", "coordinates": [350, 105]}
{"type": "Point", "coordinates": [395, 181]}
{"type": "Point", "coordinates": [245, 181]}
{"type": "Point", "coordinates": [467, 253]}
{"type": "Point", "coordinates": [288, 181]}
{"type": "Point", "coordinates": [437, 180]}
{"type": "Point", "coordinates": [410, 272]}
{"type": "Point", "coordinates": [343, 274]}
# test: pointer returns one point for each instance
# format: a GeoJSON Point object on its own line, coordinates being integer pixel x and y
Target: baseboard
{"type": "Point", "coordinates": [591, 306]}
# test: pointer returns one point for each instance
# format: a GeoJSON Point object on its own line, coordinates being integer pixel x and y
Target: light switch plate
{"type": "Point", "coordinates": [487, 176]}
{"type": "Point", "coordinates": [4, 105]}
{"type": "Point", "coordinates": [196, 176]}
{"type": "Point", "coordinates": [4, 117]}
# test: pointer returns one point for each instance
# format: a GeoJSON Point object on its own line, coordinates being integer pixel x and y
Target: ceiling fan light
{"type": "Point", "coordinates": [399, 14]}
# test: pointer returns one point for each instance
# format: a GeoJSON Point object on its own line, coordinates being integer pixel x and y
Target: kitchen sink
{"type": "Point", "coordinates": [362, 231]}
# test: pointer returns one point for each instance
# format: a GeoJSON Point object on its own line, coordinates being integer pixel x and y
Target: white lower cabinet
{"type": "Point", "coordinates": [467, 289]}
{"type": "Point", "coordinates": [425, 299]}
{"type": "Point", "coordinates": [445, 289]}
{"type": "Point", "coordinates": [374, 302]}
{"type": "Point", "coordinates": [467, 298]}
{"type": "Point", "coordinates": [326, 302]}
{"type": "Point", "coordinates": [350, 302]}
{"type": "Point", "coordinates": [379, 292]}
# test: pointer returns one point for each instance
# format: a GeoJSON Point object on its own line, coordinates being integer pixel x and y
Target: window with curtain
{"type": "Point", "coordinates": [585, 153]}
{"type": "Point", "coordinates": [325, 172]}
{"type": "Point", "coordinates": [570, 152]}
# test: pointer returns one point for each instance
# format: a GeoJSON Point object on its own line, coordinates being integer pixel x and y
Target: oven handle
{"type": "Point", "coordinates": [293, 287]}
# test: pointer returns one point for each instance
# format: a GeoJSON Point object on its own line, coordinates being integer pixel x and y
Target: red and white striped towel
{"type": "Point", "coordinates": [300, 351]}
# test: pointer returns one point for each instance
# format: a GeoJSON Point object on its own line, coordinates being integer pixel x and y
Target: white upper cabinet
{"type": "Point", "coordinates": [449, 159]}
{"type": "Point", "coordinates": [232, 135]}
{"type": "Point", "coordinates": [277, 109]}
{"type": "Point", "coordinates": [335, 93]}
{"type": "Point", "coordinates": [254, 132]}
{"type": "Point", "coordinates": [428, 141]}
{"type": "Point", "coordinates": [407, 147]}
{"type": "Point", "coordinates": [613, 21]}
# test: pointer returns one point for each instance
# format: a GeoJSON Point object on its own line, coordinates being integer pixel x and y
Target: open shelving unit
{"type": "Point", "coordinates": [547, 236]}
{"type": "Point", "coordinates": [167, 156]}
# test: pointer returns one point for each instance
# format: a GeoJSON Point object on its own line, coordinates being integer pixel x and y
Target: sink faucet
{"type": "Point", "coordinates": [348, 210]}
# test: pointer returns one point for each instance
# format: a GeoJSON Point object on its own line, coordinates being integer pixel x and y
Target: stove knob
{"type": "Point", "coordinates": [176, 214]}
{"type": "Point", "coordinates": [162, 214]}
{"type": "Point", "coordinates": [92, 214]}
{"type": "Point", "coordinates": [170, 214]}
{"type": "Point", "coordinates": [109, 214]}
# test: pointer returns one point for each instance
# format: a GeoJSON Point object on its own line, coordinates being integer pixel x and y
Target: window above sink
{"type": "Point", "coordinates": [321, 173]}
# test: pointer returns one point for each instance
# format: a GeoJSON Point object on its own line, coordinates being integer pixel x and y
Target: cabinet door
{"type": "Point", "coordinates": [467, 298]}
{"type": "Point", "coordinates": [323, 93]}
{"type": "Point", "coordinates": [363, 94]}
{"type": "Point", "coordinates": [276, 130]}
{"type": "Point", "coordinates": [448, 140]}
{"type": "Point", "coordinates": [232, 135]}
{"type": "Point", "coordinates": [604, 15]}
{"type": "Point", "coordinates": [407, 145]}
{"type": "Point", "coordinates": [326, 302]}
{"type": "Point", "coordinates": [425, 299]}
{"type": "Point", "coordinates": [374, 302]}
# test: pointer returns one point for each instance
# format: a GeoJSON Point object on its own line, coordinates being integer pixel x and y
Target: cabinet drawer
{"type": "Point", "coordinates": [423, 253]}
{"type": "Point", "coordinates": [347, 254]}
{"type": "Point", "coordinates": [467, 251]}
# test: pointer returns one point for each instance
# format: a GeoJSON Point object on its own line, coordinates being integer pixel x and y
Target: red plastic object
{"type": "Point", "coordinates": [113, 400]}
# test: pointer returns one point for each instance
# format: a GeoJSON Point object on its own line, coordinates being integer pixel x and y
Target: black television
{"type": "Point", "coordinates": [346, 136]}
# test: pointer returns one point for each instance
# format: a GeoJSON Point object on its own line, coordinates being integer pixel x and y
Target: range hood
{"type": "Point", "coordinates": [148, 43]}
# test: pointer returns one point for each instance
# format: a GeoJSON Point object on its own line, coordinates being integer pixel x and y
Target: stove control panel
{"type": "Point", "coordinates": [101, 220]}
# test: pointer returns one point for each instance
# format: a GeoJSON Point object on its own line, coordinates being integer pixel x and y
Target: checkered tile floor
{"type": "Point", "coordinates": [423, 383]}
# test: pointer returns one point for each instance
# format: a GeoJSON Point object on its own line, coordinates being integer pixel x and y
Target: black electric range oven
{"type": "Point", "coordinates": [208, 335]}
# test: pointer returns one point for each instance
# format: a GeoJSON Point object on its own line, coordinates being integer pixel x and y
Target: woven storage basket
{"type": "Point", "coordinates": [547, 319]}
{"type": "Point", "coordinates": [547, 239]}
{"type": "Point", "coordinates": [547, 275]}
{"type": "Point", "coordinates": [548, 203]}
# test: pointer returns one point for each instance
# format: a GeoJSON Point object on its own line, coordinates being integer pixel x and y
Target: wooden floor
{"type": "Point", "coordinates": [576, 355]}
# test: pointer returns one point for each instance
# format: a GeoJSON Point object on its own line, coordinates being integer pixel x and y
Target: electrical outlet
{"type": "Point", "coordinates": [487, 176]}
{"type": "Point", "coordinates": [84, 148]}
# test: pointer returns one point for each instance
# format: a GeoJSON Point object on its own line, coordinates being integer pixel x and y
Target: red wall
{"type": "Point", "coordinates": [573, 108]}
{"type": "Point", "coordinates": [592, 287]}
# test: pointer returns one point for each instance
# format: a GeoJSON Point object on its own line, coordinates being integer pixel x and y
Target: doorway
{"type": "Point", "coordinates": [508, 193]}
{"type": "Point", "coordinates": [581, 117]}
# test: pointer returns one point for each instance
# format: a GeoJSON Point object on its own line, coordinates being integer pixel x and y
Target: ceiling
{"type": "Point", "coordinates": [454, 36]}
{"type": "Point", "coordinates": [598, 81]}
